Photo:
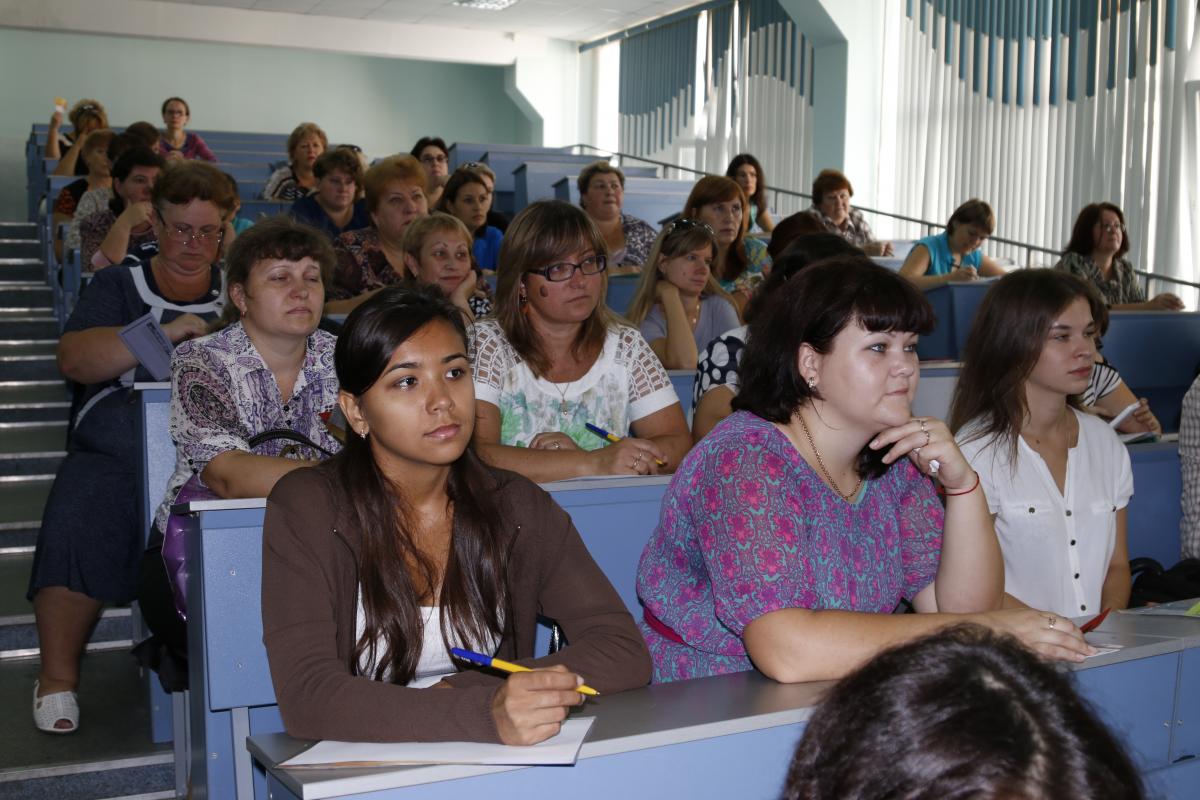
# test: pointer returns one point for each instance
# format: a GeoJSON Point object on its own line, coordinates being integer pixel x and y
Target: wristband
{"type": "Point", "coordinates": [942, 490]}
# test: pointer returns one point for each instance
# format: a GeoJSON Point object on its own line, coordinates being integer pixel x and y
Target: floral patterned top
{"type": "Point", "coordinates": [93, 201]}
{"type": "Point", "coordinates": [747, 528]}
{"type": "Point", "coordinates": [223, 393]}
{"type": "Point", "coordinates": [854, 230]}
{"type": "Point", "coordinates": [626, 383]}
{"type": "Point", "coordinates": [639, 238]}
{"type": "Point", "coordinates": [362, 266]}
{"type": "Point", "coordinates": [757, 266]}
{"type": "Point", "coordinates": [1120, 288]}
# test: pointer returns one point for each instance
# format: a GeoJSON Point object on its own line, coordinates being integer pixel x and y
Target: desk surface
{"type": "Point", "coordinates": [685, 711]}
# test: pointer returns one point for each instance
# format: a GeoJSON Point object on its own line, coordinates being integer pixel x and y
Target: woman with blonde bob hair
{"type": "Point", "coordinates": [555, 359]}
{"type": "Point", "coordinates": [741, 262]}
{"type": "Point", "coordinates": [679, 306]}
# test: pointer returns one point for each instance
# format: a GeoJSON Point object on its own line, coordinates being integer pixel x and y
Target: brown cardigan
{"type": "Point", "coordinates": [309, 599]}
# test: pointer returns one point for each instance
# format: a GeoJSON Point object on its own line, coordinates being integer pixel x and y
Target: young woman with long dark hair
{"type": "Point", "coordinates": [406, 544]}
{"type": "Point", "coordinates": [1057, 479]}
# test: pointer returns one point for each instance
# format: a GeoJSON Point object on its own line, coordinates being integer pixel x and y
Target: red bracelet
{"type": "Point", "coordinates": [942, 490]}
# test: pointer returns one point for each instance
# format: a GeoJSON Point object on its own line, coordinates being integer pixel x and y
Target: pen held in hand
{"type": "Point", "coordinates": [506, 666]}
{"type": "Point", "coordinates": [612, 437]}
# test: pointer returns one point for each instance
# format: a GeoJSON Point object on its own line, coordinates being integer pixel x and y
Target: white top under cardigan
{"type": "Point", "coordinates": [1057, 547]}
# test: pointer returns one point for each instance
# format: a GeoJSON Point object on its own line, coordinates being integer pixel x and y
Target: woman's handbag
{"type": "Point", "coordinates": [174, 554]}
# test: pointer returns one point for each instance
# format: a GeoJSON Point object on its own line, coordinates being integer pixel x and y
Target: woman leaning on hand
{"type": "Point", "coordinates": [793, 530]}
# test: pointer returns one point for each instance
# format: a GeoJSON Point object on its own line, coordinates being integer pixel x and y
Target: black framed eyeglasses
{"type": "Point", "coordinates": [564, 270]}
{"type": "Point", "coordinates": [683, 224]}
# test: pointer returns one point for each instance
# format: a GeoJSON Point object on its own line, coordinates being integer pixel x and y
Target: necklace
{"type": "Point", "coordinates": [821, 464]}
{"type": "Point", "coordinates": [562, 398]}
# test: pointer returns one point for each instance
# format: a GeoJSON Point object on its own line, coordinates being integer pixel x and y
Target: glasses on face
{"type": "Point", "coordinates": [186, 236]}
{"type": "Point", "coordinates": [565, 270]}
{"type": "Point", "coordinates": [683, 224]}
{"type": "Point", "coordinates": [1110, 227]}
{"type": "Point", "coordinates": [440, 158]}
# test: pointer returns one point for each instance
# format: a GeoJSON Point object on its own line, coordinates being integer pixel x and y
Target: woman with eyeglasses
{"type": "Point", "coordinates": [1096, 253]}
{"type": "Point", "coordinates": [175, 142]}
{"type": "Point", "coordinates": [602, 195]}
{"type": "Point", "coordinates": [554, 359]}
{"type": "Point", "coordinates": [90, 543]}
{"type": "Point", "coordinates": [435, 158]}
{"type": "Point", "coordinates": [679, 307]}
{"type": "Point", "coordinates": [334, 207]}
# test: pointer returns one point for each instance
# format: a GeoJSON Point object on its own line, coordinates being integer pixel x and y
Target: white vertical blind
{"type": "Point", "coordinates": [1043, 106]}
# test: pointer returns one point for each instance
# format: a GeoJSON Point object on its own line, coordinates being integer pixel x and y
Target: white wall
{"type": "Point", "coordinates": [848, 36]}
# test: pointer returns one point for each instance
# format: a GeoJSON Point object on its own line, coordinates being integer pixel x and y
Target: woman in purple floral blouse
{"type": "Point", "coordinates": [791, 533]}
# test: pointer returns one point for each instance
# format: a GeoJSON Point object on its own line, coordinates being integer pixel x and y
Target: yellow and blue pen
{"type": "Point", "coordinates": [612, 437]}
{"type": "Point", "coordinates": [506, 666]}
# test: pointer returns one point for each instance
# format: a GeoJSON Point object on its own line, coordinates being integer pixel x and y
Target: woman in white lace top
{"type": "Point", "coordinates": [555, 359]}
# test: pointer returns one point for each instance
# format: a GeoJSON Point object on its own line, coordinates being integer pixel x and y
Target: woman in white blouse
{"type": "Point", "coordinates": [555, 359]}
{"type": "Point", "coordinates": [1057, 478]}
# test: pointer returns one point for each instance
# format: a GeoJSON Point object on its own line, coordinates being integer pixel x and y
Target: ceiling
{"type": "Point", "coordinates": [563, 19]}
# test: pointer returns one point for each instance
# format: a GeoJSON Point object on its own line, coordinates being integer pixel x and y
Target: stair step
{"type": "Point", "coordinates": [32, 448]}
{"type": "Point", "coordinates": [26, 401]}
{"type": "Point", "coordinates": [36, 322]}
{"type": "Point", "coordinates": [18, 230]}
{"type": "Point", "coordinates": [22, 500]}
{"type": "Point", "coordinates": [25, 293]}
{"type": "Point", "coordinates": [29, 368]}
{"type": "Point", "coordinates": [110, 756]}
{"type": "Point", "coordinates": [16, 264]}
{"type": "Point", "coordinates": [19, 638]}
{"type": "Point", "coordinates": [28, 347]}
{"type": "Point", "coordinates": [18, 540]}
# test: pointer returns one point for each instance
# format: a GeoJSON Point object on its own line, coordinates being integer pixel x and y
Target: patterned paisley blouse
{"type": "Point", "coordinates": [747, 528]}
{"type": "Point", "coordinates": [223, 393]}
{"type": "Point", "coordinates": [626, 383]}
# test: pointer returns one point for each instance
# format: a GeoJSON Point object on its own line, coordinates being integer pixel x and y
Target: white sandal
{"type": "Point", "coordinates": [53, 708]}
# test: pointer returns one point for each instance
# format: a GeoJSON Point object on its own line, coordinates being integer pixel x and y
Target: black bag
{"type": "Point", "coordinates": [1153, 584]}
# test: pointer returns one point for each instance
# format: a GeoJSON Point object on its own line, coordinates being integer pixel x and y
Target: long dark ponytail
{"type": "Point", "coordinates": [394, 573]}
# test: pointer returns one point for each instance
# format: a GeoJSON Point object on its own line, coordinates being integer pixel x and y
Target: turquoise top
{"type": "Point", "coordinates": [940, 258]}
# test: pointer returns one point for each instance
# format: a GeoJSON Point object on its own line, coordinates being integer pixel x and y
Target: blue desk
{"type": "Point", "coordinates": [535, 180]}
{"type": "Point", "coordinates": [621, 289]}
{"type": "Point", "coordinates": [1157, 354]}
{"type": "Point", "coordinates": [733, 735]}
{"type": "Point", "coordinates": [231, 695]}
{"type": "Point", "coordinates": [648, 199]}
{"type": "Point", "coordinates": [954, 305]}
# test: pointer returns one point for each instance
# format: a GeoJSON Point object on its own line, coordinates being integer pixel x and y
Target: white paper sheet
{"type": "Point", "coordinates": [561, 749]}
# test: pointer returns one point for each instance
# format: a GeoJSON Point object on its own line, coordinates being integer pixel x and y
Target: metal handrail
{"type": "Point", "coordinates": [931, 227]}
